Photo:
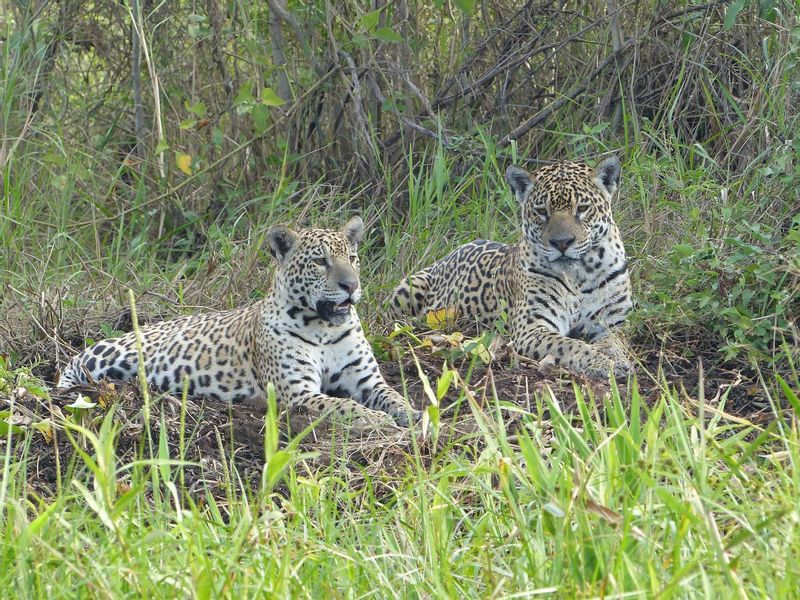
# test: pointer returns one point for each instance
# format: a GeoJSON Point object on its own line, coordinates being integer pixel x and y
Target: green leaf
{"type": "Point", "coordinates": [443, 384]}
{"type": "Point", "coordinates": [162, 146]}
{"type": "Point", "coordinates": [276, 466]}
{"type": "Point", "coordinates": [198, 109]}
{"type": "Point", "coordinates": [270, 98]}
{"type": "Point", "coordinates": [4, 426]}
{"type": "Point", "coordinates": [433, 414]}
{"type": "Point", "coordinates": [39, 522]}
{"type": "Point", "coordinates": [260, 114]}
{"type": "Point", "coordinates": [467, 6]}
{"type": "Point", "coordinates": [683, 250]}
{"type": "Point", "coordinates": [204, 586]}
{"type": "Point", "coordinates": [370, 20]}
{"type": "Point", "coordinates": [732, 12]}
{"type": "Point", "coordinates": [244, 95]}
{"type": "Point", "coordinates": [359, 40]}
{"type": "Point", "coordinates": [385, 34]}
{"type": "Point", "coordinates": [790, 395]}
{"type": "Point", "coordinates": [216, 137]}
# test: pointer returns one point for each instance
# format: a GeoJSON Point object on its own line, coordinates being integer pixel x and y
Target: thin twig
{"type": "Point", "coordinates": [190, 179]}
{"type": "Point", "coordinates": [358, 101]}
{"type": "Point", "coordinates": [543, 114]}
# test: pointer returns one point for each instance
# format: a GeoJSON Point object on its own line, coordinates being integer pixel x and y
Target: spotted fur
{"type": "Point", "coordinates": [564, 286]}
{"type": "Point", "coordinates": [304, 337]}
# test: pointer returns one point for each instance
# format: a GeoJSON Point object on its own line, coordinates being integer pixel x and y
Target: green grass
{"type": "Point", "coordinates": [672, 498]}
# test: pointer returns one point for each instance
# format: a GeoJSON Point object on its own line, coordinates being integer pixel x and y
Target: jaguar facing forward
{"type": "Point", "coordinates": [564, 285]}
{"type": "Point", "coordinates": [304, 336]}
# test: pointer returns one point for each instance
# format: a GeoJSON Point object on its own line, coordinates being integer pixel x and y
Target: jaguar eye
{"type": "Point", "coordinates": [580, 210]}
{"type": "Point", "coordinates": [353, 258]}
{"type": "Point", "coordinates": [542, 212]}
{"type": "Point", "coordinates": [320, 261]}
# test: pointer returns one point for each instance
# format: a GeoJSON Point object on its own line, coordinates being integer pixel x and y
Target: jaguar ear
{"type": "Point", "coordinates": [606, 174]}
{"type": "Point", "coordinates": [520, 181]}
{"type": "Point", "coordinates": [281, 241]}
{"type": "Point", "coordinates": [353, 230]}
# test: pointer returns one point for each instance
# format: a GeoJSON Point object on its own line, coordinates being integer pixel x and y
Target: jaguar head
{"type": "Point", "coordinates": [566, 207]}
{"type": "Point", "coordinates": [318, 268]}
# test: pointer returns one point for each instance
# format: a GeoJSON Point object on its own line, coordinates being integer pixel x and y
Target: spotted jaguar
{"type": "Point", "coordinates": [561, 291]}
{"type": "Point", "coordinates": [304, 337]}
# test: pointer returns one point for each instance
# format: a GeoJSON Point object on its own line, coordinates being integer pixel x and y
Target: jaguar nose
{"type": "Point", "coordinates": [349, 285]}
{"type": "Point", "coordinates": [562, 243]}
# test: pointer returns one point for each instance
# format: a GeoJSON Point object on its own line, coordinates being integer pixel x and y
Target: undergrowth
{"type": "Point", "coordinates": [669, 496]}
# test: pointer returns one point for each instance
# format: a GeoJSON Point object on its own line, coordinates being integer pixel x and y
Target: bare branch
{"type": "Point", "coordinates": [543, 114]}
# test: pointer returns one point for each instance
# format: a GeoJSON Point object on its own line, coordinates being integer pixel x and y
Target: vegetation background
{"type": "Point", "coordinates": [149, 145]}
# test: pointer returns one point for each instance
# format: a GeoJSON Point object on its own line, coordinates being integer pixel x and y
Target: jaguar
{"type": "Point", "coordinates": [304, 337]}
{"type": "Point", "coordinates": [562, 291]}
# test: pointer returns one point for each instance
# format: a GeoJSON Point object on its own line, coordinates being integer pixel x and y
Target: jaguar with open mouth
{"type": "Point", "coordinates": [302, 340]}
{"type": "Point", "coordinates": [334, 313]}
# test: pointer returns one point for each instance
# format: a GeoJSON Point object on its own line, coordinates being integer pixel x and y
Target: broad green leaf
{"type": "Point", "coordinates": [370, 20]}
{"type": "Point", "coordinates": [260, 114]}
{"type": "Point", "coordinates": [732, 12]}
{"type": "Point", "coordinates": [5, 426]}
{"type": "Point", "coordinates": [244, 95]}
{"type": "Point", "coordinates": [385, 34]}
{"type": "Point", "coordinates": [359, 40]}
{"type": "Point", "coordinates": [198, 109]}
{"type": "Point", "coordinates": [270, 98]}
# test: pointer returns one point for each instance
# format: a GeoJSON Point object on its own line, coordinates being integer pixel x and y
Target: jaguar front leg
{"type": "Point", "coordinates": [613, 346]}
{"type": "Point", "coordinates": [346, 409]}
{"type": "Point", "coordinates": [384, 398]}
{"type": "Point", "coordinates": [299, 388]}
{"type": "Point", "coordinates": [536, 340]}
{"type": "Point", "coordinates": [362, 380]}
